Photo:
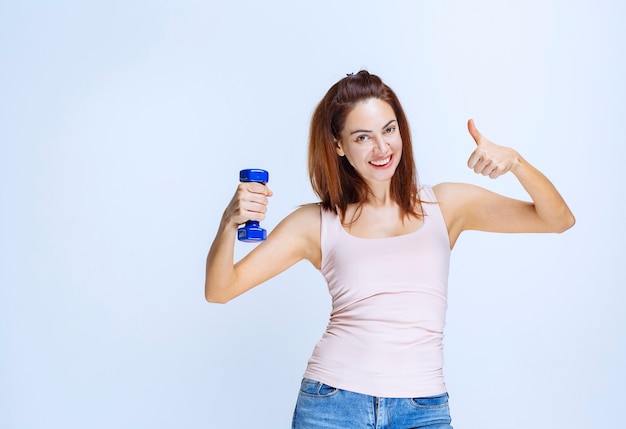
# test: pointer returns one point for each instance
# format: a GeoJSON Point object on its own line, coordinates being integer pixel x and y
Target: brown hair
{"type": "Point", "coordinates": [333, 179]}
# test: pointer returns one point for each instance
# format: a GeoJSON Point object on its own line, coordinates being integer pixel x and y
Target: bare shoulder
{"type": "Point", "coordinates": [452, 196]}
{"type": "Point", "coordinates": [311, 210]}
{"type": "Point", "coordinates": [302, 228]}
{"type": "Point", "coordinates": [451, 192]}
{"type": "Point", "coordinates": [460, 199]}
{"type": "Point", "coordinates": [306, 217]}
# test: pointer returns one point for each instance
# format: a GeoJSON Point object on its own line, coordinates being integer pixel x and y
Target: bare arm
{"type": "Point", "coordinates": [294, 239]}
{"type": "Point", "coordinates": [468, 207]}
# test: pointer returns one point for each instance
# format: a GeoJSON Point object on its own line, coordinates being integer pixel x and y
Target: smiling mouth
{"type": "Point", "coordinates": [381, 162]}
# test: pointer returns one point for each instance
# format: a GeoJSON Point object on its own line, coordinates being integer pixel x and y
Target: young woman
{"type": "Point", "coordinates": [383, 244]}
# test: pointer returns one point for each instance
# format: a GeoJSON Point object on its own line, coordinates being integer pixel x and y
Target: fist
{"type": "Point", "coordinates": [248, 203]}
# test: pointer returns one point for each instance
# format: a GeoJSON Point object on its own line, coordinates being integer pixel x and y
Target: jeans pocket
{"type": "Point", "coordinates": [437, 401]}
{"type": "Point", "coordinates": [310, 387]}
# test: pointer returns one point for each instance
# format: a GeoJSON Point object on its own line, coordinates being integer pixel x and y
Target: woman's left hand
{"type": "Point", "coordinates": [490, 159]}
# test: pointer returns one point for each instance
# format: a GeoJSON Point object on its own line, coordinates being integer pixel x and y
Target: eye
{"type": "Point", "coordinates": [390, 129]}
{"type": "Point", "coordinates": [362, 138]}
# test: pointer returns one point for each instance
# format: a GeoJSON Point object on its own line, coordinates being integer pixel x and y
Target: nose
{"type": "Point", "coordinates": [380, 146]}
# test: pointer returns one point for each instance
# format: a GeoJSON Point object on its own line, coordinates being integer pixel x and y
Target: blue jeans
{"type": "Point", "coordinates": [320, 406]}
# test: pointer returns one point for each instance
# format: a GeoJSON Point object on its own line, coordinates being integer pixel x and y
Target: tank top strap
{"type": "Point", "coordinates": [330, 231]}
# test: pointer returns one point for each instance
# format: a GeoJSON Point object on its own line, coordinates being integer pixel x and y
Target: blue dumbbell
{"type": "Point", "coordinates": [252, 232]}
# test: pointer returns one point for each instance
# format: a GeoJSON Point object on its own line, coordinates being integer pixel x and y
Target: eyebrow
{"type": "Point", "coordinates": [369, 131]}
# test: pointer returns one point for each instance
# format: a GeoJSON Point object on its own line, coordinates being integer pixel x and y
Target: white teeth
{"type": "Point", "coordinates": [381, 161]}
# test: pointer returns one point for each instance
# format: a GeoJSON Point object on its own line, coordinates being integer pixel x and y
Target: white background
{"type": "Point", "coordinates": [123, 125]}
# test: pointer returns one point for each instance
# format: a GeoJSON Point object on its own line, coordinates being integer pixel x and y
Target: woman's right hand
{"type": "Point", "coordinates": [248, 203]}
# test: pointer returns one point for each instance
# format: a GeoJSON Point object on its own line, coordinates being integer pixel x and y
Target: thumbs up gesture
{"type": "Point", "coordinates": [490, 159]}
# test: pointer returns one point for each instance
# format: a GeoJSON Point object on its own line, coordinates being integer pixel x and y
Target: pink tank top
{"type": "Point", "coordinates": [389, 299]}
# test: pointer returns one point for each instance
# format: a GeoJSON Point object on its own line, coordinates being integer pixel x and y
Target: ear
{"type": "Point", "coordinates": [338, 148]}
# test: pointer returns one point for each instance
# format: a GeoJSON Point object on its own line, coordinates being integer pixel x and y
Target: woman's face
{"type": "Point", "coordinates": [370, 140]}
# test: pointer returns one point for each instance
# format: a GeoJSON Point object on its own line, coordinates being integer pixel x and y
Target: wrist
{"type": "Point", "coordinates": [518, 163]}
{"type": "Point", "coordinates": [228, 223]}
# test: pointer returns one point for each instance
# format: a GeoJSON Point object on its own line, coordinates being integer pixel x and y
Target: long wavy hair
{"type": "Point", "coordinates": [334, 180]}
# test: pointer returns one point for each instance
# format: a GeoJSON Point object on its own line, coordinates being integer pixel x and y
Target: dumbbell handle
{"type": "Point", "coordinates": [252, 232]}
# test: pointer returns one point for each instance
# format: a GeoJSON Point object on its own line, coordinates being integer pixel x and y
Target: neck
{"type": "Point", "coordinates": [380, 195]}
